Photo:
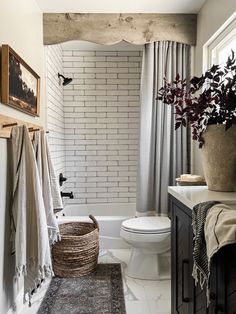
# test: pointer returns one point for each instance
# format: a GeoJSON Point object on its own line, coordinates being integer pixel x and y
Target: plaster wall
{"type": "Point", "coordinates": [21, 28]}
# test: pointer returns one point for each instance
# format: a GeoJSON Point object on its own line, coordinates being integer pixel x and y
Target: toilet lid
{"type": "Point", "coordinates": [147, 224]}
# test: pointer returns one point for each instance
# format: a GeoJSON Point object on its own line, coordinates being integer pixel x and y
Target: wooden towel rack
{"type": "Point", "coordinates": [6, 123]}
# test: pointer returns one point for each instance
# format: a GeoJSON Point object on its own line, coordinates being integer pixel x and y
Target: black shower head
{"type": "Point", "coordinates": [66, 80]}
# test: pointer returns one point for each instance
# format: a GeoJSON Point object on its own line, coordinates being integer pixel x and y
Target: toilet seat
{"type": "Point", "coordinates": [147, 225]}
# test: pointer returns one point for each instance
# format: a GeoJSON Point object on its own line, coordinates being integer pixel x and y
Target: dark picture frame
{"type": "Point", "coordinates": [20, 85]}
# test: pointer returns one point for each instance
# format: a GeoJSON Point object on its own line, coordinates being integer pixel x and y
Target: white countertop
{"type": "Point", "coordinates": [192, 195]}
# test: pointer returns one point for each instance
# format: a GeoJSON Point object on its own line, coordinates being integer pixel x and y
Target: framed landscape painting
{"type": "Point", "coordinates": [20, 86]}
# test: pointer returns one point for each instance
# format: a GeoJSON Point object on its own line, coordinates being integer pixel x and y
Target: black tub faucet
{"type": "Point", "coordinates": [69, 194]}
{"type": "Point", "coordinates": [62, 179]}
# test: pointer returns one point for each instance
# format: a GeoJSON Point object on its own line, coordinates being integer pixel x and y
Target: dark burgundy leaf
{"type": "Point", "coordinates": [205, 100]}
{"type": "Point", "coordinates": [177, 125]}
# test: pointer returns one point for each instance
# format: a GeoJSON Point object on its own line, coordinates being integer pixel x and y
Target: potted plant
{"type": "Point", "coordinates": [208, 105]}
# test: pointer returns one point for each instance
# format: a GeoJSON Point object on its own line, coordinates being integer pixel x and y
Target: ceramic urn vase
{"type": "Point", "coordinates": [219, 158]}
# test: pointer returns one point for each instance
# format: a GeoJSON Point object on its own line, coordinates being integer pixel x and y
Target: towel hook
{"type": "Point", "coordinates": [9, 125]}
{"type": "Point", "coordinates": [33, 130]}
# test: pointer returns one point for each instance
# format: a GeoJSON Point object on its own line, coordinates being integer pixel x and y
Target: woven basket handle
{"type": "Point", "coordinates": [94, 221]}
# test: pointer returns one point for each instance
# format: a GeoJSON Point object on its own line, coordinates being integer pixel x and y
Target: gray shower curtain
{"type": "Point", "coordinates": [163, 151]}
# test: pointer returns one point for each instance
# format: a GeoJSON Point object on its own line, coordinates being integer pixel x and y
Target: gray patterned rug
{"type": "Point", "coordinates": [98, 293]}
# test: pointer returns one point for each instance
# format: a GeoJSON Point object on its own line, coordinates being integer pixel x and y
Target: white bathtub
{"type": "Point", "coordinates": [109, 217]}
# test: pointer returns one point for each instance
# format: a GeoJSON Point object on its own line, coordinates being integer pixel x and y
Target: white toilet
{"type": "Point", "coordinates": [149, 238]}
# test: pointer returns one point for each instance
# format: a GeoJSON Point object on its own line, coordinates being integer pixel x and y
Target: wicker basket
{"type": "Point", "coordinates": [77, 253]}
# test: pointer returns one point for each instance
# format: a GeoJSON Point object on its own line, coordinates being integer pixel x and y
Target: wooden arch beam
{"type": "Point", "coordinates": [112, 28]}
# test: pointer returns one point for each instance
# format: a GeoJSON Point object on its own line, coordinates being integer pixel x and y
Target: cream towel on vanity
{"type": "Point", "coordinates": [219, 231]}
{"type": "Point", "coordinates": [214, 226]}
{"type": "Point", "coordinates": [50, 186]}
{"type": "Point", "coordinates": [29, 224]}
{"type": "Point", "coordinates": [220, 228]}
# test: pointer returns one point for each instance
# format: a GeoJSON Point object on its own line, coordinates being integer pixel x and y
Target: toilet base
{"type": "Point", "coordinates": [148, 265]}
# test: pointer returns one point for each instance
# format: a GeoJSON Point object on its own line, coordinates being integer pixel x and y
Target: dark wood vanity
{"type": "Point", "coordinates": [186, 297]}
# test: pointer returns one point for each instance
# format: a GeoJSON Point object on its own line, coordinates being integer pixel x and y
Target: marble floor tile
{"type": "Point", "coordinates": [156, 290]}
{"type": "Point", "coordinates": [137, 307]}
{"type": "Point", "coordinates": [102, 258]}
{"type": "Point", "coordinates": [159, 306]}
{"type": "Point", "coordinates": [141, 296]}
{"type": "Point", "coordinates": [133, 289]}
{"type": "Point", "coordinates": [36, 300]}
{"type": "Point", "coordinates": [119, 256]}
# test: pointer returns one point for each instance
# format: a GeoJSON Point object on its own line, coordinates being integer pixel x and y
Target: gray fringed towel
{"type": "Point", "coordinates": [50, 185]}
{"type": "Point", "coordinates": [201, 270]}
{"type": "Point", "coordinates": [29, 223]}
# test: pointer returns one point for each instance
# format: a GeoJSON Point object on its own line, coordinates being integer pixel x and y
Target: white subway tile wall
{"type": "Point", "coordinates": [55, 108]}
{"type": "Point", "coordinates": [101, 120]}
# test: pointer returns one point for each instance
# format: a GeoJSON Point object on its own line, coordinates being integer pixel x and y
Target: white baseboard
{"type": "Point", "coordinates": [18, 302]}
